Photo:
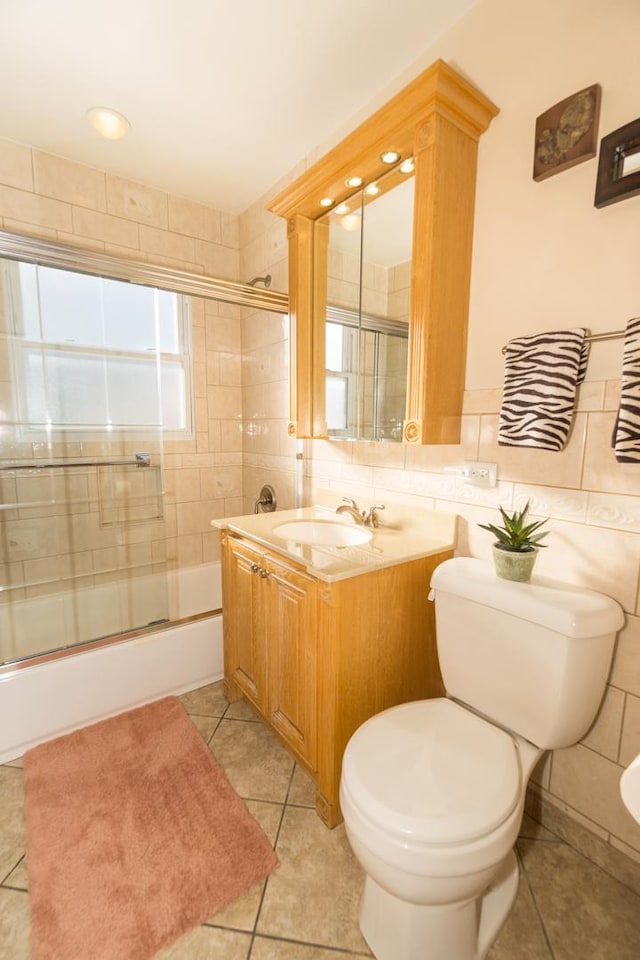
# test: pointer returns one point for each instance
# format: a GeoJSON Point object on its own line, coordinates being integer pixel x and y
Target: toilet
{"type": "Point", "coordinates": [432, 792]}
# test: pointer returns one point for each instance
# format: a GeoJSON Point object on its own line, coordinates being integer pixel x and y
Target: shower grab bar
{"type": "Point", "coordinates": [141, 460]}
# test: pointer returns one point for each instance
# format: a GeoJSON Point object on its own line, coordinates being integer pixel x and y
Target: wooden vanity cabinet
{"type": "Point", "coordinates": [270, 614]}
{"type": "Point", "coordinates": [317, 659]}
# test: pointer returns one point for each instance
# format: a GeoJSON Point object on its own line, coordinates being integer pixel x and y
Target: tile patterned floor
{"type": "Point", "coordinates": [567, 908]}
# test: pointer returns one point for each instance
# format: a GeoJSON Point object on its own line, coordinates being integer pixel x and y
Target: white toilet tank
{"type": "Point", "coordinates": [534, 657]}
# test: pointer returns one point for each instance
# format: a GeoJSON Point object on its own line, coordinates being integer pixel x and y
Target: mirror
{"type": "Point", "coordinates": [367, 320]}
{"type": "Point", "coordinates": [437, 120]}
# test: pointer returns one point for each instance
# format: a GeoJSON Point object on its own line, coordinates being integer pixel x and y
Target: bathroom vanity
{"type": "Point", "coordinates": [318, 638]}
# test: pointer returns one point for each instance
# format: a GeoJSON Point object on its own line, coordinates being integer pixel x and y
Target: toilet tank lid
{"type": "Point", "coordinates": [568, 610]}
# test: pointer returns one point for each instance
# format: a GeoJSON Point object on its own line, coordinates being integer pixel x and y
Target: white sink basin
{"type": "Point", "coordinates": [630, 788]}
{"type": "Point", "coordinates": [323, 533]}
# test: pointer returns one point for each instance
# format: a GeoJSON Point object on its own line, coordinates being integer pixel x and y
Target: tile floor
{"type": "Point", "coordinates": [567, 908]}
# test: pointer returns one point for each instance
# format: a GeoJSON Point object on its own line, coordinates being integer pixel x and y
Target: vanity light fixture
{"type": "Point", "coordinates": [109, 123]}
{"type": "Point", "coordinates": [407, 166]}
{"type": "Point", "coordinates": [354, 182]}
{"type": "Point", "coordinates": [372, 190]}
{"type": "Point", "coordinates": [326, 202]}
{"type": "Point", "coordinates": [390, 156]}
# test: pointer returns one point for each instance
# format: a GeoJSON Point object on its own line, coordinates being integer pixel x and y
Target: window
{"type": "Point", "coordinates": [94, 355]}
{"type": "Point", "coordinates": [366, 361]}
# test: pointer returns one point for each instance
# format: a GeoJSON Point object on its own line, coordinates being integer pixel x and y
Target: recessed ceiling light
{"type": "Point", "coordinates": [326, 202]}
{"type": "Point", "coordinates": [372, 190]}
{"type": "Point", "coordinates": [408, 166]}
{"type": "Point", "coordinates": [390, 156]}
{"type": "Point", "coordinates": [342, 208]}
{"type": "Point", "coordinates": [354, 181]}
{"type": "Point", "coordinates": [109, 123]}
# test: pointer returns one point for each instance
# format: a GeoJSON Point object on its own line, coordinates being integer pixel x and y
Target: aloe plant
{"type": "Point", "coordinates": [516, 535]}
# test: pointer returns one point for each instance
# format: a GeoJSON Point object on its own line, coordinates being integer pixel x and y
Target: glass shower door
{"type": "Point", "coordinates": [92, 374]}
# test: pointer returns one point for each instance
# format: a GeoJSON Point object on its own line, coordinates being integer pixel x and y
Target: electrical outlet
{"type": "Point", "coordinates": [480, 473]}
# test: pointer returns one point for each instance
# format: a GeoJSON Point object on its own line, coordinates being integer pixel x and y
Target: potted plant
{"type": "Point", "coordinates": [516, 546]}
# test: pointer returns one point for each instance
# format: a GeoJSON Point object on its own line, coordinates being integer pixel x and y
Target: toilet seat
{"type": "Point", "coordinates": [432, 772]}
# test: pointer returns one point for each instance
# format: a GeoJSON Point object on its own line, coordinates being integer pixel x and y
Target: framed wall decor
{"type": "Point", "coordinates": [567, 133]}
{"type": "Point", "coordinates": [619, 165]}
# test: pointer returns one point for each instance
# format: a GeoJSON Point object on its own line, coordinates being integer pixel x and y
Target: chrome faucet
{"type": "Point", "coordinates": [365, 519]}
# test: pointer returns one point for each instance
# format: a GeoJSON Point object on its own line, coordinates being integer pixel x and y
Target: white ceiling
{"type": "Point", "coordinates": [224, 98]}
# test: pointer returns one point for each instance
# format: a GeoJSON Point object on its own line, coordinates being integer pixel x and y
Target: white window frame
{"type": "Point", "coordinates": [31, 431]}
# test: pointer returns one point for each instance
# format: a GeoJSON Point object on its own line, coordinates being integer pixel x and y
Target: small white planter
{"type": "Point", "coordinates": [514, 566]}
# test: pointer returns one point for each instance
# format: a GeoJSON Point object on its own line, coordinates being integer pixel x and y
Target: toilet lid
{"type": "Point", "coordinates": [432, 771]}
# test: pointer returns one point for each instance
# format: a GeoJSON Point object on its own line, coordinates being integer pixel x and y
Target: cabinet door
{"type": "Point", "coordinates": [244, 619]}
{"type": "Point", "coordinates": [292, 683]}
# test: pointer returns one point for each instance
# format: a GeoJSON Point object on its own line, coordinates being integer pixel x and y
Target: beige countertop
{"type": "Point", "coordinates": [405, 533]}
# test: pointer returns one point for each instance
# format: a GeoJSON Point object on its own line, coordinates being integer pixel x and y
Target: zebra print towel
{"type": "Point", "coordinates": [626, 433]}
{"type": "Point", "coordinates": [541, 376]}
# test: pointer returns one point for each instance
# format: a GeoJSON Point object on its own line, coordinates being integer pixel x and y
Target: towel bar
{"type": "Point", "coordinates": [592, 337]}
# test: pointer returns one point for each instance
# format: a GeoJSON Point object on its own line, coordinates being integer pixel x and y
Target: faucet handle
{"type": "Point", "coordinates": [372, 519]}
{"type": "Point", "coordinates": [351, 502]}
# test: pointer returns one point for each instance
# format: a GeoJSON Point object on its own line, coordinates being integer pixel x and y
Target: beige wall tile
{"type": "Point", "coordinates": [482, 401]}
{"type": "Point", "coordinates": [162, 243]}
{"type": "Point", "coordinates": [69, 181]}
{"type": "Point", "coordinates": [602, 472]}
{"type": "Point", "coordinates": [557, 502]}
{"type": "Point", "coordinates": [230, 435]}
{"type": "Point", "coordinates": [28, 208]}
{"type": "Point", "coordinates": [375, 454]}
{"type": "Point", "coordinates": [265, 400]}
{"type": "Point", "coordinates": [615, 511]}
{"type": "Point", "coordinates": [101, 226]}
{"type": "Point", "coordinates": [15, 165]}
{"type": "Point", "coordinates": [196, 517]}
{"type": "Point", "coordinates": [198, 343]}
{"type": "Point", "coordinates": [630, 742]}
{"type": "Point", "coordinates": [603, 560]}
{"type": "Point", "coordinates": [221, 482]}
{"type": "Point", "coordinates": [211, 541]}
{"type": "Point", "coordinates": [590, 395]}
{"type": "Point", "coordinates": [225, 403]}
{"type": "Point", "coordinates": [263, 364]}
{"type": "Point", "coordinates": [558, 469]}
{"type": "Point", "coordinates": [230, 368]}
{"type": "Point", "coordinates": [218, 260]}
{"type": "Point", "coordinates": [261, 327]}
{"type": "Point", "coordinates": [591, 785]}
{"type": "Point", "coordinates": [200, 379]}
{"type": "Point", "coordinates": [134, 201]}
{"type": "Point", "coordinates": [625, 673]}
{"type": "Point", "coordinates": [187, 485]}
{"type": "Point", "coordinates": [612, 395]}
{"type": "Point", "coordinates": [188, 550]}
{"type": "Point", "coordinates": [230, 234]}
{"type": "Point", "coordinates": [222, 334]}
{"type": "Point", "coordinates": [604, 735]}
{"type": "Point", "coordinates": [194, 219]}
{"type": "Point", "coordinates": [437, 458]}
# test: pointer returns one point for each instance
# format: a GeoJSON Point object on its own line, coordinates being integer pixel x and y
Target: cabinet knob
{"type": "Point", "coordinates": [263, 573]}
{"type": "Point", "coordinates": [255, 567]}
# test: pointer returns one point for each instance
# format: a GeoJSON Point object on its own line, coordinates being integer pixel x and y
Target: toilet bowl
{"type": "Point", "coordinates": [432, 792]}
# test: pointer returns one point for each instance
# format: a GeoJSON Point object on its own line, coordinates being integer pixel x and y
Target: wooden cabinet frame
{"type": "Point", "coordinates": [438, 119]}
{"type": "Point", "coordinates": [318, 659]}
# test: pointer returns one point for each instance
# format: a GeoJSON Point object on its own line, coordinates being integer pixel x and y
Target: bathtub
{"type": "Point", "coordinates": [44, 700]}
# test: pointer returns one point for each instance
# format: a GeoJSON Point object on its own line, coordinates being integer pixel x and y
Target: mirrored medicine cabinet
{"type": "Point", "coordinates": [380, 233]}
